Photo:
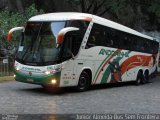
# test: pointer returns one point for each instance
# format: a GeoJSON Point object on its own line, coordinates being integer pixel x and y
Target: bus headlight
{"type": "Point", "coordinates": [14, 75]}
{"type": "Point", "coordinates": [17, 69]}
{"type": "Point", "coordinates": [47, 72]}
{"type": "Point", "coordinates": [56, 70]}
{"type": "Point", "coordinates": [53, 71]}
{"type": "Point", "coordinates": [53, 81]}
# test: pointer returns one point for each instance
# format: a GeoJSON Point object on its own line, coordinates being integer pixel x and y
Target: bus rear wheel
{"type": "Point", "coordinates": [139, 78]}
{"type": "Point", "coordinates": [83, 83]}
{"type": "Point", "coordinates": [145, 78]}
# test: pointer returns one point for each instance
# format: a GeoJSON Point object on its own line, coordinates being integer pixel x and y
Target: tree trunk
{"type": "Point", "coordinates": [20, 6]}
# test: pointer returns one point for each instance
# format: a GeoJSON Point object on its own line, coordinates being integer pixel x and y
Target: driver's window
{"type": "Point", "coordinates": [67, 48]}
{"type": "Point", "coordinates": [72, 43]}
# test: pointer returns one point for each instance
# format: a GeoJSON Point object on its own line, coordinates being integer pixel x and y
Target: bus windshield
{"type": "Point", "coordinates": [38, 44]}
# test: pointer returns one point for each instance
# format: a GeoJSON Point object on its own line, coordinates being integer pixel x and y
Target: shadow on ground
{"type": "Point", "coordinates": [73, 90]}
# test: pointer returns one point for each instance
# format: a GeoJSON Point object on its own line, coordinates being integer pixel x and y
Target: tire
{"type": "Point", "coordinates": [84, 82]}
{"type": "Point", "coordinates": [155, 72]}
{"type": "Point", "coordinates": [145, 78]}
{"type": "Point", "coordinates": [139, 78]}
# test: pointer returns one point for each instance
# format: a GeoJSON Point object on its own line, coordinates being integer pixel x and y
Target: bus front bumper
{"type": "Point", "coordinates": [52, 79]}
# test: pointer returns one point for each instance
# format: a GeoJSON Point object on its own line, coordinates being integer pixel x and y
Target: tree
{"type": "Point", "coordinates": [137, 14]}
{"type": "Point", "coordinates": [97, 7]}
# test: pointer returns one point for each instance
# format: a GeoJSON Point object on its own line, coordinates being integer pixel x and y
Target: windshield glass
{"type": "Point", "coordinates": [38, 44]}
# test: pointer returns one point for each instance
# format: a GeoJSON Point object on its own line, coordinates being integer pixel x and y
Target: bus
{"type": "Point", "coordinates": [78, 49]}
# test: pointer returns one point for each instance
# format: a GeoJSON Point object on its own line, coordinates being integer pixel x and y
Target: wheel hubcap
{"type": "Point", "coordinates": [82, 82]}
{"type": "Point", "coordinates": [139, 80]}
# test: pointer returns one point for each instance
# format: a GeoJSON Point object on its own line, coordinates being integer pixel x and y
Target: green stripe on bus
{"type": "Point", "coordinates": [108, 71]}
{"type": "Point", "coordinates": [101, 66]}
{"type": "Point", "coordinates": [46, 79]}
{"type": "Point", "coordinates": [111, 55]}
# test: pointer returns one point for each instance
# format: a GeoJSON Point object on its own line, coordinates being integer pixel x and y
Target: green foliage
{"type": "Point", "coordinates": [99, 7]}
{"type": "Point", "coordinates": [137, 14]}
{"type": "Point", "coordinates": [31, 11]}
{"type": "Point", "coordinates": [9, 20]}
{"type": "Point", "coordinates": [116, 5]}
{"type": "Point", "coordinates": [76, 2]}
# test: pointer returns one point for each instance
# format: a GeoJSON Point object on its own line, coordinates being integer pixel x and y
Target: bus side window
{"type": "Point", "coordinates": [135, 45]}
{"type": "Point", "coordinates": [67, 47]}
{"type": "Point", "coordinates": [155, 47]}
{"type": "Point", "coordinates": [72, 43]}
{"type": "Point", "coordinates": [142, 48]}
{"type": "Point", "coordinates": [146, 46]}
{"type": "Point", "coordinates": [128, 43]}
{"type": "Point", "coordinates": [113, 38]}
{"type": "Point", "coordinates": [108, 38]}
{"type": "Point", "coordinates": [91, 42]}
{"type": "Point", "coordinates": [77, 38]}
{"type": "Point", "coordinates": [92, 38]}
{"type": "Point", "coordinates": [97, 36]}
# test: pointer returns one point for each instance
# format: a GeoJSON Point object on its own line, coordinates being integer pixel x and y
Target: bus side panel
{"type": "Point", "coordinates": [85, 60]}
{"type": "Point", "coordinates": [137, 61]}
{"type": "Point", "coordinates": [100, 61]}
{"type": "Point", "coordinates": [128, 63]}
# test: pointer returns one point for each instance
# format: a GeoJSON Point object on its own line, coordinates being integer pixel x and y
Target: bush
{"type": "Point", "coordinates": [9, 20]}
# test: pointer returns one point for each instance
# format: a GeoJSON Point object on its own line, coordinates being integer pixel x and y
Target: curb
{"type": "Point", "coordinates": [6, 78]}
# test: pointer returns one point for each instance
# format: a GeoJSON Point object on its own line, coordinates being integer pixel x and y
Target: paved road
{"type": "Point", "coordinates": [24, 98]}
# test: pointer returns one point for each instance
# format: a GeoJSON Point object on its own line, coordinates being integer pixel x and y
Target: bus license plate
{"type": "Point", "coordinates": [30, 80]}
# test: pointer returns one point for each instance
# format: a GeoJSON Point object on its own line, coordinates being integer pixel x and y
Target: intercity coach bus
{"type": "Point", "coordinates": [76, 49]}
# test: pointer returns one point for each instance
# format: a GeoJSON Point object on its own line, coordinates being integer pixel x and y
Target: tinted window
{"type": "Point", "coordinates": [102, 36]}
{"type": "Point", "coordinates": [96, 36]}
{"type": "Point", "coordinates": [109, 37]}
{"type": "Point", "coordinates": [73, 39]}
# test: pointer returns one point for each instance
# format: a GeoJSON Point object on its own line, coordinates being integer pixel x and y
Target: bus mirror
{"type": "Point", "coordinates": [62, 33]}
{"type": "Point", "coordinates": [9, 36]}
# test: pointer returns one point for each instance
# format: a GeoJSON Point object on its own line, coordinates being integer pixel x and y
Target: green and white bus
{"type": "Point", "coordinates": [77, 49]}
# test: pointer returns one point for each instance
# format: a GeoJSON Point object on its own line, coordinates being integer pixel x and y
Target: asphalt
{"type": "Point", "coordinates": [22, 98]}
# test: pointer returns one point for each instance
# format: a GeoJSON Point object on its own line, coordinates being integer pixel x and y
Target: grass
{"type": "Point", "coordinates": [6, 78]}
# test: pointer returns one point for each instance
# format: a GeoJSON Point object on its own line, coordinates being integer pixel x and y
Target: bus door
{"type": "Point", "coordinates": [68, 72]}
{"type": "Point", "coordinates": [71, 46]}
{"type": "Point", "coordinates": [69, 62]}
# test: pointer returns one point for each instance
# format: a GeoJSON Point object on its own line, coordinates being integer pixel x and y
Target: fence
{"type": "Point", "coordinates": [6, 66]}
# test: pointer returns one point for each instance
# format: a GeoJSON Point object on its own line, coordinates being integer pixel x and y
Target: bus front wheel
{"type": "Point", "coordinates": [83, 83]}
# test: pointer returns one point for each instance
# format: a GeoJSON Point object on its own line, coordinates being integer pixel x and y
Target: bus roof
{"type": "Point", "coordinates": [88, 17]}
{"type": "Point", "coordinates": [62, 16]}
